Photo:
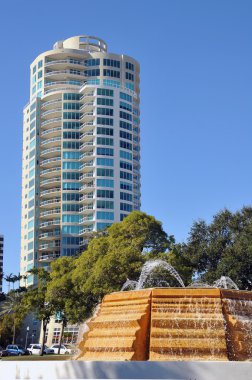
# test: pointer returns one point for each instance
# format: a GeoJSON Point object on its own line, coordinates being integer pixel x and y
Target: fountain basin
{"type": "Point", "coordinates": [171, 324]}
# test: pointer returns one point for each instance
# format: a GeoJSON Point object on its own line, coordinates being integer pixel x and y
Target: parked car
{"type": "Point", "coordinates": [64, 349]}
{"type": "Point", "coordinates": [35, 349]}
{"type": "Point", "coordinates": [15, 350]}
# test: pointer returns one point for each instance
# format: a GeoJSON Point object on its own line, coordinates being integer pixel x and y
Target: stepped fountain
{"type": "Point", "coordinates": [200, 322]}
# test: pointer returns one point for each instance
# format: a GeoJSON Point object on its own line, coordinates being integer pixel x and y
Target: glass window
{"type": "Point", "coordinates": [105, 183]}
{"type": "Point", "coordinates": [129, 66]}
{"type": "Point", "coordinates": [102, 226]}
{"type": "Point", "coordinates": [92, 73]}
{"type": "Point", "coordinates": [125, 135]}
{"type": "Point", "coordinates": [40, 64]}
{"type": "Point", "coordinates": [111, 82]}
{"type": "Point", "coordinates": [111, 62]}
{"type": "Point", "coordinates": [105, 141]}
{"type": "Point", "coordinates": [105, 102]}
{"type": "Point", "coordinates": [105, 193]}
{"type": "Point", "coordinates": [105, 131]}
{"type": "Point", "coordinates": [125, 165]}
{"type": "Point", "coordinates": [105, 111]}
{"type": "Point", "coordinates": [105, 121]}
{"type": "Point", "coordinates": [126, 186]}
{"type": "Point", "coordinates": [125, 125]}
{"type": "Point", "coordinates": [126, 155]}
{"type": "Point", "coordinates": [106, 215]}
{"type": "Point", "coordinates": [92, 62]}
{"type": "Point", "coordinates": [125, 115]}
{"type": "Point", "coordinates": [105, 92]}
{"type": "Point", "coordinates": [125, 145]}
{"type": "Point", "coordinates": [40, 74]}
{"type": "Point", "coordinates": [125, 207]}
{"type": "Point", "coordinates": [105, 161]}
{"type": "Point", "coordinates": [126, 175]}
{"type": "Point", "coordinates": [105, 172]}
{"type": "Point", "coordinates": [126, 97]}
{"type": "Point", "coordinates": [71, 96]}
{"type": "Point", "coordinates": [129, 76]}
{"type": "Point", "coordinates": [111, 73]}
{"type": "Point", "coordinates": [126, 197]}
{"type": "Point", "coordinates": [126, 106]}
{"type": "Point", "coordinates": [71, 155]}
{"type": "Point", "coordinates": [105, 152]}
{"type": "Point", "coordinates": [71, 185]}
{"type": "Point", "coordinates": [34, 69]}
{"type": "Point", "coordinates": [105, 204]}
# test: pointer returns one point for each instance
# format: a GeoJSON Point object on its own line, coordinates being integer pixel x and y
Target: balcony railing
{"type": "Point", "coordinates": [52, 130]}
{"type": "Point", "coordinates": [49, 102]}
{"type": "Point", "coordinates": [54, 139]}
{"type": "Point", "coordinates": [50, 201]}
{"type": "Point", "coordinates": [50, 180]}
{"type": "Point", "coordinates": [50, 191]}
{"type": "Point", "coordinates": [47, 171]}
{"type": "Point", "coordinates": [55, 120]}
{"type": "Point", "coordinates": [50, 160]}
{"type": "Point", "coordinates": [50, 223]}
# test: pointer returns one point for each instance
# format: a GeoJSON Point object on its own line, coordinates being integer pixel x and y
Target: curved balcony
{"type": "Point", "coordinates": [87, 136]}
{"type": "Point", "coordinates": [86, 156]}
{"type": "Point", "coordinates": [50, 172]}
{"type": "Point", "coordinates": [49, 192]}
{"type": "Point", "coordinates": [48, 123]}
{"type": "Point", "coordinates": [51, 103]}
{"type": "Point", "coordinates": [86, 188]}
{"type": "Point", "coordinates": [50, 202]}
{"type": "Point", "coordinates": [54, 141]}
{"type": "Point", "coordinates": [86, 200]}
{"type": "Point", "coordinates": [48, 257]}
{"type": "Point", "coordinates": [49, 246]}
{"type": "Point", "coordinates": [50, 162]}
{"type": "Point", "coordinates": [51, 152]}
{"type": "Point", "coordinates": [87, 106]}
{"type": "Point", "coordinates": [51, 132]}
{"type": "Point", "coordinates": [50, 223]}
{"type": "Point", "coordinates": [47, 114]}
{"type": "Point", "coordinates": [57, 63]}
{"type": "Point", "coordinates": [87, 126]}
{"type": "Point", "coordinates": [86, 177]}
{"type": "Point", "coordinates": [50, 235]}
{"type": "Point", "coordinates": [87, 219]}
{"type": "Point", "coordinates": [87, 116]}
{"type": "Point", "coordinates": [87, 94]}
{"type": "Point", "coordinates": [65, 74]}
{"type": "Point", "coordinates": [47, 183]}
{"type": "Point", "coordinates": [86, 166]}
{"type": "Point", "coordinates": [86, 231]}
{"type": "Point", "coordinates": [87, 145]}
{"type": "Point", "coordinates": [53, 212]}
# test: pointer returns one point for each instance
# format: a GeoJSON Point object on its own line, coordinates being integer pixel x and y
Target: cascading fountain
{"type": "Point", "coordinates": [199, 322]}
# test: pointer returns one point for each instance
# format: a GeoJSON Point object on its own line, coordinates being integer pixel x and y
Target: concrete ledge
{"type": "Point", "coordinates": [126, 370]}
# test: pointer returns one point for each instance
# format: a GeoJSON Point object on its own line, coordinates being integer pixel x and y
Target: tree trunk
{"type": "Point", "coordinates": [45, 322]}
{"type": "Point", "coordinates": [14, 333]}
{"type": "Point", "coordinates": [64, 323]}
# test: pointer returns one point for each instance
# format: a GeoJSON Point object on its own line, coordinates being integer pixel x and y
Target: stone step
{"type": "Point", "coordinates": [167, 344]}
{"type": "Point", "coordinates": [121, 323]}
{"type": "Point", "coordinates": [183, 310]}
{"type": "Point", "coordinates": [196, 316]}
{"type": "Point", "coordinates": [107, 356]}
{"type": "Point", "coordinates": [125, 302]}
{"type": "Point", "coordinates": [103, 332]}
{"type": "Point", "coordinates": [157, 356]}
{"type": "Point", "coordinates": [185, 300]}
{"type": "Point", "coordinates": [157, 332]}
{"type": "Point", "coordinates": [110, 343]}
{"type": "Point", "coordinates": [188, 323]}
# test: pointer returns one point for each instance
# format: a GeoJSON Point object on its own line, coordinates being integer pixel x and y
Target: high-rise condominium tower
{"type": "Point", "coordinates": [81, 152]}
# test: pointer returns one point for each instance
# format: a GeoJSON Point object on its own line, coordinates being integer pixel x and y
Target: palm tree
{"type": "Point", "coordinates": [11, 306]}
{"type": "Point", "coordinates": [9, 279]}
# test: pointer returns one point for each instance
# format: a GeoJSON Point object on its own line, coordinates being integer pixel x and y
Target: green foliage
{"type": "Point", "coordinates": [223, 248]}
{"type": "Point", "coordinates": [111, 257]}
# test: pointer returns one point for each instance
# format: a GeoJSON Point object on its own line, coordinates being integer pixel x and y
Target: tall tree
{"type": "Point", "coordinates": [224, 247]}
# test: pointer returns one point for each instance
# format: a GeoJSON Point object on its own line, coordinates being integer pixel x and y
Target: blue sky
{"type": "Point", "coordinates": [196, 82]}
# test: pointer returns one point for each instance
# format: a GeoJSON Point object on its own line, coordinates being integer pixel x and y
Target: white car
{"type": "Point", "coordinates": [35, 349]}
{"type": "Point", "coordinates": [63, 349]}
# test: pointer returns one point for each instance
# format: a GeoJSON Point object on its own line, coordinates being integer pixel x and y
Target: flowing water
{"type": "Point", "coordinates": [225, 283]}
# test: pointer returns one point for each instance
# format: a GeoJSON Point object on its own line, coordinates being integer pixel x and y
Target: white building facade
{"type": "Point", "coordinates": [81, 148]}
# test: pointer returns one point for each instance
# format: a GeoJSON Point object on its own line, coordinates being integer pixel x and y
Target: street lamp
{"type": "Point", "coordinates": [27, 332]}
